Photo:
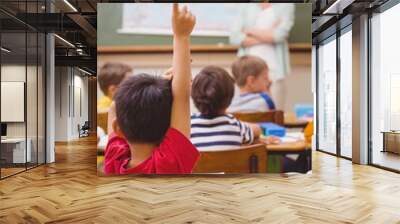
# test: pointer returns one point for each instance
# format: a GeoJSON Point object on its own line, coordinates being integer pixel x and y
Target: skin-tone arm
{"type": "Point", "coordinates": [182, 24]}
{"type": "Point", "coordinates": [168, 74]}
{"type": "Point", "coordinates": [270, 140]}
{"type": "Point", "coordinates": [257, 134]}
{"type": "Point", "coordinates": [256, 129]}
{"type": "Point", "coordinates": [250, 41]}
{"type": "Point", "coordinates": [263, 35]}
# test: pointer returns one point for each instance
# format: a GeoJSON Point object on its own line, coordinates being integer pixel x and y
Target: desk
{"type": "Point", "coordinates": [293, 122]}
{"type": "Point", "coordinates": [13, 150]}
{"type": "Point", "coordinates": [289, 146]}
{"type": "Point", "coordinates": [279, 161]}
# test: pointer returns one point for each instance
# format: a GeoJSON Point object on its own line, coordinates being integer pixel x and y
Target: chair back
{"type": "Point", "coordinates": [275, 116]}
{"type": "Point", "coordinates": [102, 119]}
{"type": "Point", "coordinates": [246, 159]}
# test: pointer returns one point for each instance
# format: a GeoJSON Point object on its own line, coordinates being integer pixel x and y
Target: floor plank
{"type": "Point", "coordinates": [69, 191]}
{"type": "Point", "coordinates": [386, 159]}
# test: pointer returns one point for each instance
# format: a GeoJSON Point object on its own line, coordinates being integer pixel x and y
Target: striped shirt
{"type": "Point", "coordinates": [251, 102]}
{"type": "Point", "coordinates": [219, 133]}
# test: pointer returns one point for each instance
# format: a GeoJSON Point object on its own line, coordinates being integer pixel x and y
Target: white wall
{"type": "Point", "coordinates": [12, 73]}
{"type": "Point", "coordinates": [80, 96]}
{"type": "Point", "coordinates": [71, 94]}
{"type": "Point", "coordinates": [61, 103]}
{"type": "Point", "coordinates": [33, 126]}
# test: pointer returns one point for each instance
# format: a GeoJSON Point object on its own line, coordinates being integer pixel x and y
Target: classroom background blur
{"type": "Point", "coordinates": [143, 41]}
{"type": "Point", "coordinates": [139, 35]}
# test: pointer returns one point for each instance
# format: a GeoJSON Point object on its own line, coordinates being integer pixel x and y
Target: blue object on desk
{"type": "Point", "coordinates": [304, 110]}
{"type": "Point", "coordinates": [270, 128]}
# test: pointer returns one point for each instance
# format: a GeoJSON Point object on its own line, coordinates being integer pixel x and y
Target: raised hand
{"type": "Point", "coordinates": [182, 24]}
{"type": "Point", "coordinates": [182, 21]}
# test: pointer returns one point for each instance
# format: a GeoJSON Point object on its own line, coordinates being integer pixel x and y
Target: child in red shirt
{"type": "Point", "coordinates": [152, 124]}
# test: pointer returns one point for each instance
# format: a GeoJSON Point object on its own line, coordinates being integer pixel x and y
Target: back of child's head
{"type": "Point", "coordinates": [112, 74]}
{"type": "Point", "coordinates": [143, 108]}
{"type": "Point", "coordinates": [246, 66]}
{"type": "Point", "coordinates": [212, 91]}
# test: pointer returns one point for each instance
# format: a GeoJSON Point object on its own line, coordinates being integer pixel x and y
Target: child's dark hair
{"type": "Point", "coordinates": [143, 108]}
{"type": "Point", "coordinates": [112, 74]}
{"type": "Point", "coordinates": [246, 66]}
{"type": "Point", "coordinates": [212, 91]}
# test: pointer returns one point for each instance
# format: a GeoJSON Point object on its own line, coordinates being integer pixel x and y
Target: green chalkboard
{"type": "Point", "coordinates": [109, 21]}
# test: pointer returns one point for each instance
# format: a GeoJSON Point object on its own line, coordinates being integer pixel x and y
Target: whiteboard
{"type": "Point", "coordinates": [145, 18]}
{"type": "Point", "coordinates": [12, 101]}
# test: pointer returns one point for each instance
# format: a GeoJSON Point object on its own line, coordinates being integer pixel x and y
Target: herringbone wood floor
{"type": "Point", "coordinates": [69, 191]}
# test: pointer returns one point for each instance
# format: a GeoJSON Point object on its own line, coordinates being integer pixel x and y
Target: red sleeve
{"type": "Point", "coordinates": [116, 152]}
{"type": "Point", "coordinates": [177, 155]}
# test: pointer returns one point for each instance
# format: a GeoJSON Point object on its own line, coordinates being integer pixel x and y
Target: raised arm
{"type": "Point", "coordinates": [182, 24]}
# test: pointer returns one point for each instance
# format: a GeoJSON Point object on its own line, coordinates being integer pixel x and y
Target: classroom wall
{"type": "Point", "coordinates": [71, 102]}
{"type": "Point", "coordinates": [143, 59]}
{"type": "Point", "coordinates": [109, 22]}
{"type": "Point", "coordinates": [298, 82]}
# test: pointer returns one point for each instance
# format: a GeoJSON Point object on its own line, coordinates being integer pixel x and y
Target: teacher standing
{"type": "Point", "coordinates": [262, 30]}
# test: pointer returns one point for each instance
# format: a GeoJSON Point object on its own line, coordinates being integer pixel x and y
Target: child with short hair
{"type": "Point", "coordinates": [110, 76]}
{"type": "Point", "coordinates": [251, 76]}
{"type": "Point", "coordinates": [152, 124]}
{"type": "Point", "coordinates": [213, 129]}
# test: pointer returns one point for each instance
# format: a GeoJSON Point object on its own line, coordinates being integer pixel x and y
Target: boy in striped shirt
{"type": "Point", "coordinates": [213, 129]}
